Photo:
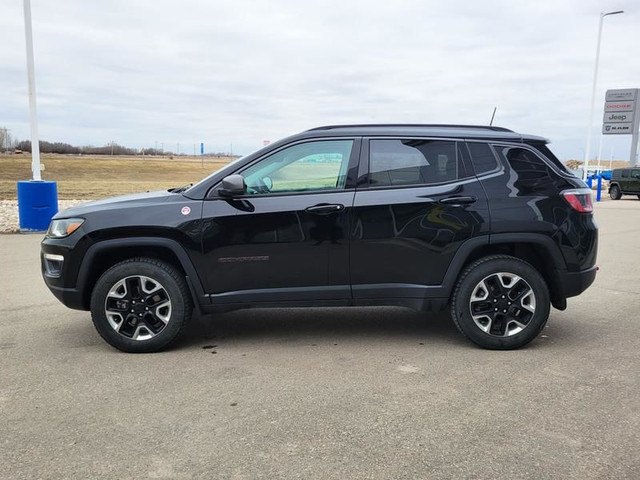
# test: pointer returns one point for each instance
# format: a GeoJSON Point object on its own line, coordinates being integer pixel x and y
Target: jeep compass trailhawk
{"type": "Point", "coordinates": [482, 220]}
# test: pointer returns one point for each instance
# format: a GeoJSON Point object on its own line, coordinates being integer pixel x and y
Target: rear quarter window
{"type": "Point", "coordinates": [530, 174]}
{"type": "Point", "coordinates": [544, 149]}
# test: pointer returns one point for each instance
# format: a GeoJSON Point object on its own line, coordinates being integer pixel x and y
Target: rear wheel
{"type": "Point", "coordinates": [500, 302]}
{"type": "Point", "coordinates": [615, 193]}
{"type": "Point", "coordinates": [141, 305]}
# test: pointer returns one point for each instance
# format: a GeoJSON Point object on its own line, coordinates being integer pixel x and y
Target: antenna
{"type": "Point", "coordinates": [493, 115]}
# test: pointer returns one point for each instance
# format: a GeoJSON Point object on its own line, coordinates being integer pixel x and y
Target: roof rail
{"type": "Point", "coordinates": [433, 125]}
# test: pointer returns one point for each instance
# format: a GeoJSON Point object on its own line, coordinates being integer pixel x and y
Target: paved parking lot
{"type": "Point", "coordinates": [325, 393]}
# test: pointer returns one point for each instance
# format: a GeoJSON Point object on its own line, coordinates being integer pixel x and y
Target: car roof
{"type": "Point", "coordinates": [423, 130]}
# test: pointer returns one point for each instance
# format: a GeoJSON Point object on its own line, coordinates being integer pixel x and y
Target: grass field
{"type": "Point", "coordinates": [90, 177]}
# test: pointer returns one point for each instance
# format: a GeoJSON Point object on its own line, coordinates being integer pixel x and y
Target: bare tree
{"type": "Point", "coordinates": [6, 141]}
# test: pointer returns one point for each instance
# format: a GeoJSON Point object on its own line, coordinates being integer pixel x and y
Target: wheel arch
{"type": "Point", "coordinates": [536, 249]}
{"type": "Point", "coordinates": [102, 255]}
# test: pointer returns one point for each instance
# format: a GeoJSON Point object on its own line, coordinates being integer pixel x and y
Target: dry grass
{"type": "Point", "coordinates": [89, 177]}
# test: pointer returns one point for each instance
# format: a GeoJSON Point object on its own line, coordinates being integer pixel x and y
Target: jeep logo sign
{"type": "Point", "coordinates": [621, 117]}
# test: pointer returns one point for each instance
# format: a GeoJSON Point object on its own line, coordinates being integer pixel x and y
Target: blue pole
{"type": "Point", "coordinates": [590, 181]}
{"type": "Point", "coordinates": [599, 194]}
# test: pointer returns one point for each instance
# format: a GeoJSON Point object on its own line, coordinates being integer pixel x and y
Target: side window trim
{"type": "Point", "coordinates": [365, 162]}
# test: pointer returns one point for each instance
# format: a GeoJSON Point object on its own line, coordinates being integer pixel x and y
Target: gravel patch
{"type": "Point", "coordinates": [9, 222]}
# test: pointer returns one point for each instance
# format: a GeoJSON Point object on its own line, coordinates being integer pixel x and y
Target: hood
{"type": "Point", "coordinates": [113, 203]}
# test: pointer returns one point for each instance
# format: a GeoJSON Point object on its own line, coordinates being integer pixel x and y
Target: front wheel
{"type": "Point", "coordinates": [500, 302]}
{"type": "Point", "coordinates": [615, 193]}
{"type": "Point", "coordinates": [141, 305]}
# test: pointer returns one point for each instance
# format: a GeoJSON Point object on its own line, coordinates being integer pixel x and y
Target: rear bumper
{"type": "Point", "coordinates": [574, 283]}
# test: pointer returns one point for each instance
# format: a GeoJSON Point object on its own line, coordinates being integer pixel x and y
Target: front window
{"type": "Point", "coordinates": [312, 166]}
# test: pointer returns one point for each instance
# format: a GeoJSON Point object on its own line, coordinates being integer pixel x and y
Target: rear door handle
{"type": "Point", "coordinates": [457, 201]}
{"type": "Point", "coordinates": [325, 208]}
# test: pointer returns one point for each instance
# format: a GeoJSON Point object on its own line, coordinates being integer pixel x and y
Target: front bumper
{"type": "Point", "coordinates": [70, 297]}
{"type": "Point", "coordinates": [59, 261]}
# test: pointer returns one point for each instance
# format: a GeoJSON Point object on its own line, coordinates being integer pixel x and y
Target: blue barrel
{"type": "Point", "coordinates": [37, 203]}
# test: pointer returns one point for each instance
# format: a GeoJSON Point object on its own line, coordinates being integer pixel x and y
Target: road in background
{"type": "Point", "coordinates": [325, 393]}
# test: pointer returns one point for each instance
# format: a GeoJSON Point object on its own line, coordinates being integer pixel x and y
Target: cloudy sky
{"type": "Point", "coordinates": [240, 72]}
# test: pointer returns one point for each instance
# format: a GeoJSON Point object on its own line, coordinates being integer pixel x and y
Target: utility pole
{"type": "Point", "coordinates": [162, 148]}
{"type": "Point", "coordinates": [112, 142]}
{"type": "Point", "coordinates": [178, 148]}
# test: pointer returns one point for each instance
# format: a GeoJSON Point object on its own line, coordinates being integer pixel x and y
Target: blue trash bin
{"type": "Point", "coordinates": [37, 203]}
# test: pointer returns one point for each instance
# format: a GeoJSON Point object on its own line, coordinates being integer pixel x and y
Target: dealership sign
{"type": "Point", "coordinates": [621, 112]}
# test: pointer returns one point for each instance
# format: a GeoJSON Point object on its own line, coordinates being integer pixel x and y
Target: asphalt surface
{"type": "Point", "coordinates": [325, 393]}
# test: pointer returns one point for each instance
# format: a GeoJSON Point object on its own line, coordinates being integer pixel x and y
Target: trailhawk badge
{"type": "Point", "coordinates": [185, 210]}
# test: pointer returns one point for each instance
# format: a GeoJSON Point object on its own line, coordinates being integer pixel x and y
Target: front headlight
{"type": "Point", "coordinates": [64, 227]}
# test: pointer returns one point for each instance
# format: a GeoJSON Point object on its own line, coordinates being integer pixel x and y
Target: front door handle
{"type": "Point", "coordinates": [457, 201]}
{"type": "Point", "coordinates": [325, 208]}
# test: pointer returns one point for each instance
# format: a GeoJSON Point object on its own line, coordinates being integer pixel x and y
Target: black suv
{"type": "Point", "coordinates": [480, 219]}
{"type": "Point", "coordinates": [624, 181]}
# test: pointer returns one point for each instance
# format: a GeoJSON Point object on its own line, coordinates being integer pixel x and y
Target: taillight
{"type": "Point", "coordinates": [580, 200]}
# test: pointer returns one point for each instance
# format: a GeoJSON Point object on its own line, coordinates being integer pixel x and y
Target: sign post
{"type": "Point", "coordinates": [622, 117]}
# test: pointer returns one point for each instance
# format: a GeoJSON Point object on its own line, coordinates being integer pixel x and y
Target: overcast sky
{"type": "Point", "coordinates": [242, 72]}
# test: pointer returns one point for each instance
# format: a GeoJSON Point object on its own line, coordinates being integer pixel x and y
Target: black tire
{"type": "Point", "coordinates": [173, 293]}
{"type": "Point", "coordinates": [486, 269]}
{"type": "Point", "coordinates": [615, 193]}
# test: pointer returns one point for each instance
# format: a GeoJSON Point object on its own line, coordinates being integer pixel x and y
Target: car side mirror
{"type": "Point", "coordinates": [232, 185]}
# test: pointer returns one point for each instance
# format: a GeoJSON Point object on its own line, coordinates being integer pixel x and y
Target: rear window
{"type": "Point", "coordinates": [412, 162]}
{"type": "Point", "coordinates": [482, 158]}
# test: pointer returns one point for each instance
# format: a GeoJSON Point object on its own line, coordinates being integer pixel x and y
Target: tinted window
{"type": "Point", "coordinates": [544, 149]}
{"type": "Point", "coordinates": [412, 162]}
{"type": "Point", "coordinates": [625, 173]}
{"type": "Point", "coordinates": [532, 174]}
{"type": "Point", "coordinates": [482, 157]}
{"type": "Point", "coordinates": [303, 167]}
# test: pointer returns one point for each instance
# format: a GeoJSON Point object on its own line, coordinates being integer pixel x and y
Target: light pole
{"type": "Point", "coordinates": [35, 144]}
{"type": "Point", "coordinates": [37, 200]}
{"type": "Point", "coordinates": [593, 93]}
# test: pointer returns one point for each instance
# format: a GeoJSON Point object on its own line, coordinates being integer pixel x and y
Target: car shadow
{"type": "Point", "coordinates": [318, 325]}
